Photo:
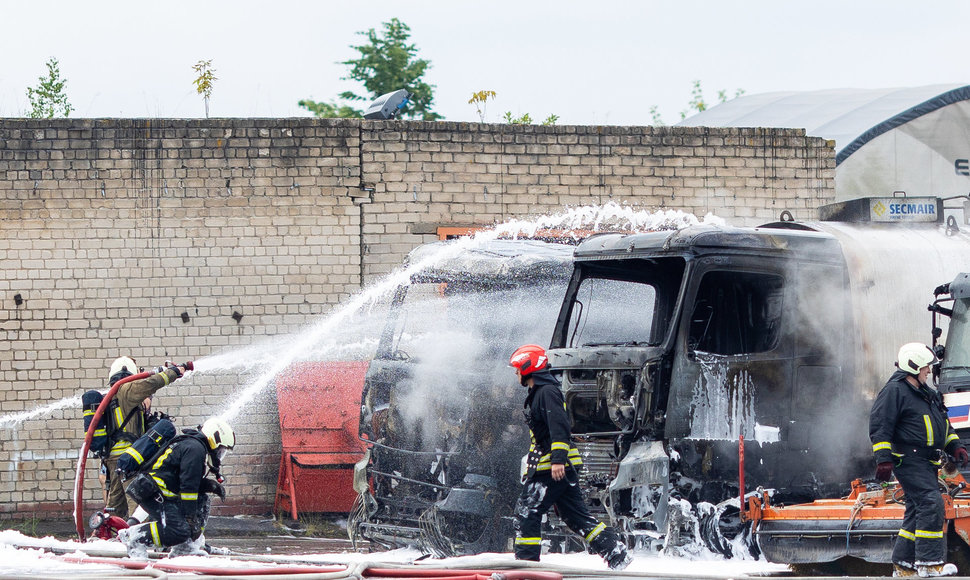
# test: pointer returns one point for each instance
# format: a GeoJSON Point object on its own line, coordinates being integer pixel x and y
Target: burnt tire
{"type": "Point", "coordinates": [720, 527]}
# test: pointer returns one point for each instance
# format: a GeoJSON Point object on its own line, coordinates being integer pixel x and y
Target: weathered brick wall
{"type": "Point", "coordinates": [425, 175]}
{"type": "Point", "coordinates": [110, 229]}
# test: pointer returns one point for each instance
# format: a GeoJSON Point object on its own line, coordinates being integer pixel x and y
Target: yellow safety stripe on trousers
{"type": "Point", "coordinates": [156, 537]}
{"type": "Point", "coordinates": [134, 453]}
{"type": "Point", "coordinates": [908, 535]}
{"type": "Point", "coordinates": [595, 531]}
{"type": "Point", "coordinates": [929, 430]}
{"type": "Point", "coordinates": [189, 496]}
{"type": "Point", "coordinates": [881, 445]}
{"type": "Point", "coordinates": [928, 534]}
{"type": "Point", "coordinates": [162, 488]}
{"type": "Point", "coordinates": [528, 541]}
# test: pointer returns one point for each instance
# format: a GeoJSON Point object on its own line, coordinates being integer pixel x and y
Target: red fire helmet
{"type": "Point", "coordinates": [529, 358]}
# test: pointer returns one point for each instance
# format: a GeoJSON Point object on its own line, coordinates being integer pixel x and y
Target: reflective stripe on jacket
{"type": "Point", "coordinates": [908, 416]}
{"type": "Point", "coordinates": [549, 423]}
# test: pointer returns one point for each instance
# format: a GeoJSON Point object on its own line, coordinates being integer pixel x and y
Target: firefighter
{"type": "Point", "coordinates": [175, 489]}
{"type": "Point", "coordinates": [552, 477]}
{"type": "Point", "coordinates": [908, 426]}
{"type": "Point", "coordinates": [128, 420]}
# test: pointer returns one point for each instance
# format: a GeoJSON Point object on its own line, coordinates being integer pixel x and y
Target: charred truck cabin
{"type": "Point", "coordinates": [441, 413]}
{"type": "Point", "coordinates": [673, 345]}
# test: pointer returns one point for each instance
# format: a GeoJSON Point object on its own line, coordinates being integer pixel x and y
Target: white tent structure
{"type": "Point", "coordinates": [915, 140]}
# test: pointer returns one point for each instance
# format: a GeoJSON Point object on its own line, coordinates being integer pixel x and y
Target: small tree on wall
{"type": "Point", "coordinates": [203, 82]}
{"type": "Point", "coordinates": [48, 99]}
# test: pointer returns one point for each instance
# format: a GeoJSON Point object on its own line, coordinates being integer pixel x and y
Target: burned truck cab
{"type": "Point", "coordinates": [673, 346]}
{"type": "Point", "coordinates": [441, 411]}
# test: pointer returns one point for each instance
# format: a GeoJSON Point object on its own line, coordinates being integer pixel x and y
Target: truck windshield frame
{"type": "Point", "coordinates": [635, 297]}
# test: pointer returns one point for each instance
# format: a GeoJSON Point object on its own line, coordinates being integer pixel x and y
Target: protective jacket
{"type": "Point", "coordinates": [914, 418]}
{"type": "Point", "coordinates": [545, 412]}
{"type": "Point", "coordinates": [130, 397]}
{"type": "Point", "coordinates": [180, 469]}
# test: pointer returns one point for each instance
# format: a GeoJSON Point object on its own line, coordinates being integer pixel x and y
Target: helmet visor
{"type": "Point", "coordinates": [221, 452]}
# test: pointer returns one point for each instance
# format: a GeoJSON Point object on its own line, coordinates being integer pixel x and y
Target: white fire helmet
{"type": "Point", "coordinates": [123, 363]}
{"type": "Point", "coordinates": [218, 433]}
{"type": "Point", "coordinates": [913, 356]}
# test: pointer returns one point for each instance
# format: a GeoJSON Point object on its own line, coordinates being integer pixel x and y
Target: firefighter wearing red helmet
{"type": "Point", "coordinates": [552, 478]}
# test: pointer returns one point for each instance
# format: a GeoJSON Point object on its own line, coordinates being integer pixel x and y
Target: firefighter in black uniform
{"type": "Point", "coordinates": [179, 508]}
{"type": "Point", "coordinates": [908, 427]}
{"type": "Point", "coordinates": [552, 477]}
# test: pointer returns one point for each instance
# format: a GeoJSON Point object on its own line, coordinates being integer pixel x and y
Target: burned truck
{"type": "Point", "coordinates": [678, 348]}
{"type": "Point", "coordinates": [441, 411]}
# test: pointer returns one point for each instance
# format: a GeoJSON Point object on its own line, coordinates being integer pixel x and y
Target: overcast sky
{"type": "Point", "coordinates": [590, 62]}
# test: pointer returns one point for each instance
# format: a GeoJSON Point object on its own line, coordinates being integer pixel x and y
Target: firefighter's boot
{"type": "Point", "coordinates": [136, 540]}
{"type": "Point", "coordinates": [936, 570]}
{"type": "Point", "coordinates": [901, 571]}
{"type": "Point", "coordinates": [190, 547]}
{"type": "Point", "coordinates": [607, 544]}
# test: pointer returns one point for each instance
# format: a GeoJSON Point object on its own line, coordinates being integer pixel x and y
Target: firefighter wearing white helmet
{"type": "Point", "coordinates": [127, 415]}
{"type": "Point", "coordinates": [178, 514]}
{"type": "Point", "coordinates": [909, 430]}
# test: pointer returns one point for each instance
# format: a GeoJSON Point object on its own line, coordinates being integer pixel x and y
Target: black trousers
{"type": "Point", "coordinates": [920, 540]}
{"type": "Point", "coordinates": [539, 494]}
{"type": "Point", "coordinates": [167, 525]}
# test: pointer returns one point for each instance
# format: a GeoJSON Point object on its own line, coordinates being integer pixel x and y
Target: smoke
{"type": "Point", "coordinates": [459, 347]}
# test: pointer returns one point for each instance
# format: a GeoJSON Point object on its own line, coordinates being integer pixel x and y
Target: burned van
{"type": "Point", "coordinates": [441, 411]}
{"type": "Point", "coordinates": [674, 347]}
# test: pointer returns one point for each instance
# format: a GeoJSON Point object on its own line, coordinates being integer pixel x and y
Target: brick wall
{"type": "Point", "coordinates": [110, 229]}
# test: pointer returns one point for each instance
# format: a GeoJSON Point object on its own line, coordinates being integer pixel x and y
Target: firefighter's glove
{"type": "Point", "coordinates": [884, 470]}
{"type": "Point", "coordinates": [961, 457]}
{"type": "Point", "coordinates": [210, 485]}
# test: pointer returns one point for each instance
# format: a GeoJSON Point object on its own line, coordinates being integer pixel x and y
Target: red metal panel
{"type": "Point", "coordinates": [319, 406]}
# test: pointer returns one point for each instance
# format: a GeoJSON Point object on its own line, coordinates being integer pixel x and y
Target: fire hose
{"type": "Point", "coordinates": [357, 570]}
{"type": "Point", "coordinates": [88, 437]}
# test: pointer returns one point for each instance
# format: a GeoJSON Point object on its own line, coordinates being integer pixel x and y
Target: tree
{"type": "Point", "coordinates": [49, 99]}
{"type": "Point", "coordinates": [696, 103]}
{"type": "Point", "coordinates": [330, 110]}
{"type": "Point", "coordinates": [386, 63]}
{"type": "Point", "coordinates": [526, 119]}
{"type": "Point", "coordinates": [480, 100]}
{"type": "Point", "coordinates": [203, 82]}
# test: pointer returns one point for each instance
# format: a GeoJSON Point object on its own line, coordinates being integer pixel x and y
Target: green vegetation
{"type": "Point", "coordinates": [387, 62]}
{"type": "Point", "coordinates": [203, 82]}
{"type": "Point", "coordinates": [48, 99]}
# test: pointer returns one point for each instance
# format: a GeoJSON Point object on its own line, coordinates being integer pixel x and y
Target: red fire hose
{"type": "Point", "coordinates": [461, 574]}
{"type": "Point", "coordinates": [314, 571]}
{"type": "Point", "coordinates": [210, 570]}
{"type": "Point", "coordinates": [88, 437]}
